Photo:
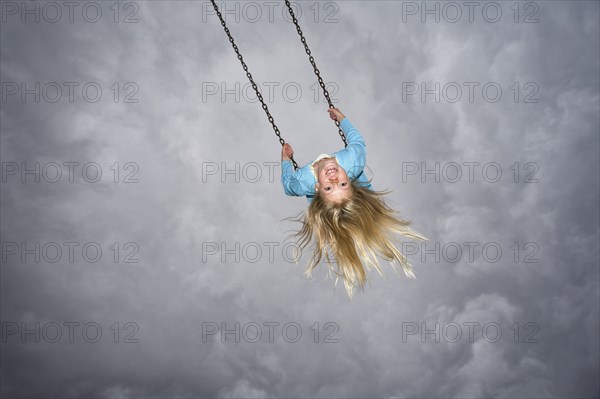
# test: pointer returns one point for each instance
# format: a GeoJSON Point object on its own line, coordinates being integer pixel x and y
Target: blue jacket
{"type": "Point", "coordinates": [352, 158]}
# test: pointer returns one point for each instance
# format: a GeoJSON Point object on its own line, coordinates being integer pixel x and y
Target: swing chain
{"type": "Point", "coordinates": [316, 70]}
{"type": "Point", "coordinates": [254, 86]}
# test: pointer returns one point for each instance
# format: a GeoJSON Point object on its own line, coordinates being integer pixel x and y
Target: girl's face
{"type": "Point", "coordinates": [333, 183]}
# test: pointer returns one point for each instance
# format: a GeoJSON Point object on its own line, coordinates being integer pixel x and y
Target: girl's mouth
{"type": "Point", "coordinates": [330, 170]}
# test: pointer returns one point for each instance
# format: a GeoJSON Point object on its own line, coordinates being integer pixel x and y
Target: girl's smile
{"type": "Point", "coordinates": [332, 180]}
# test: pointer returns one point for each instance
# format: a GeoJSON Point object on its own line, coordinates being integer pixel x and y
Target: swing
{"type": "Point", "coordinates": [356, 229]}
{"type": "Point", "coordinates": [255, 87]}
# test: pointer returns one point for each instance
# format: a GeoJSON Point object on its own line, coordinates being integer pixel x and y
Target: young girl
{"type": "Point", "coordinates": [345, 216]}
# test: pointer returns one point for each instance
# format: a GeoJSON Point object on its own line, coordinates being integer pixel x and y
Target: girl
{"type": "Point", "coordinates": [345, 216]}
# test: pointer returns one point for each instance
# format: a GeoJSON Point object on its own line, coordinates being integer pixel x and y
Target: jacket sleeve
{"type": "Point", "coordinates": [291, 180]}
{"type": "Point", "coordinates": [356, 152]}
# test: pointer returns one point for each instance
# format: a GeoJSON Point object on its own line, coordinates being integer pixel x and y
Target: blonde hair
{"type": "Point", "coordinates": [356, 228]}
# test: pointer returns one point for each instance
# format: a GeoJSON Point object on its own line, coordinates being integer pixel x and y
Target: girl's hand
{"type": "Point", "coordinates": [336, 114]}
{"type": "Point", "coordinates": [286, 152]}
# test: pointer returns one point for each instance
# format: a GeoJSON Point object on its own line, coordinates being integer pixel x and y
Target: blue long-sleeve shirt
{"type": "Point", "coordinates": [352, 158]}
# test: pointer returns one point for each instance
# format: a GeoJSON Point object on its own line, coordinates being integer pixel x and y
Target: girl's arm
{"type": "Point", "coordinates": [292, 184]}
{"type": "Point", "coordinates": [353, 136]}
{"type": "Point", "coordinates": [354, 156]}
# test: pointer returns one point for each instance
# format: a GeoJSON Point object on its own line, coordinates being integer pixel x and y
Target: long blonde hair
{"type": "Point", "coordinates": [359, 227]}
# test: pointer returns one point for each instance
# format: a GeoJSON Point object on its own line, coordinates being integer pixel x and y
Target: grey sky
{"type": "Point", "coordinates": [209, 239]}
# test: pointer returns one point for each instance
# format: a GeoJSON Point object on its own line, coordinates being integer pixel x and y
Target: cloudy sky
{"type": "Point", "coordinates": [144, 249]}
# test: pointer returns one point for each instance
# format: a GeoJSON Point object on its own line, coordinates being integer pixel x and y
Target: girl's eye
{"type": "Point", "coordinates": [327, 188]}
{"type": "Point", "coordinates": [344, 184]}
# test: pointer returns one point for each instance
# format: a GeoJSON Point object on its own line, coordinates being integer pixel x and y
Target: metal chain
{"type": "Point", "coordinates": [317, 72]}
{"type": "Point", "coordinates": [254, 86]}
